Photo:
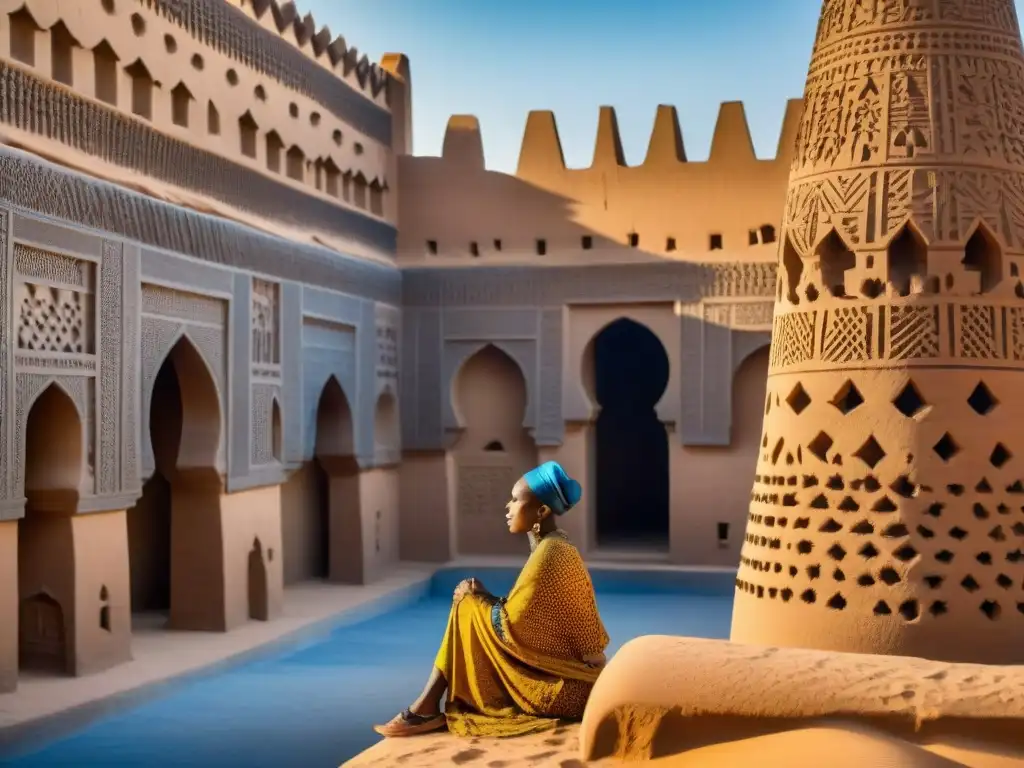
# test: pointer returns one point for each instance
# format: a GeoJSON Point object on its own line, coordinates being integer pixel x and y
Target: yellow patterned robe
{"type": "Point", "coordinates": [515, 665]}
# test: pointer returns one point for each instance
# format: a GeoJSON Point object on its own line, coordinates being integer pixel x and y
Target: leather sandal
{"type": "Point", "coordinates": [408, 723]}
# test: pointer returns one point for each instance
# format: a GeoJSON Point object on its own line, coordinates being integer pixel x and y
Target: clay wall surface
{"type": "Point", "coordinates": [885, 515]}
{"type": "Point", "coordinates": [109, 278]}
{"type": "Point", "coordinates": [241, 106]}
{"type": "Point", "coordinates": [531, 268]}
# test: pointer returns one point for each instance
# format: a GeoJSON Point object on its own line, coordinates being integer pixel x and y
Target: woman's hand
{"type": "Point", "coordinates": [470, 586]}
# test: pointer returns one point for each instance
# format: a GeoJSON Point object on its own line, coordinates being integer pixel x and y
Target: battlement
{"type": "Point", "coordinates": [541, 150]}
{"type": "Point", "coordinates": [225, 99]}
{"type": "Point", "coordinates": [214, 22]}
{"type": "Point", "coordinates": [666, 207]}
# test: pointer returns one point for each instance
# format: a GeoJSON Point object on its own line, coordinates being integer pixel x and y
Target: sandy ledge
{"type": "Point", "coordinates": [679, 702]}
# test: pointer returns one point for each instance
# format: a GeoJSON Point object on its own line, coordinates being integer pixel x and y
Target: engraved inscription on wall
{"type": "Point", "coordinates": [54, 296]}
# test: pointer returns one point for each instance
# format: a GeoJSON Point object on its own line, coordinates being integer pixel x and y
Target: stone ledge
{"type": "Point", "coordinates": [663, 696]}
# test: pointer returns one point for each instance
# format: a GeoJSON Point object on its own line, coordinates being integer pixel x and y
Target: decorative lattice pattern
{"type": "Point", "coordinates": [913, 332]}
{"type": "Point", "coordinates": [792, 339]}
{"type": "Point", "coordinates": [847, 335]}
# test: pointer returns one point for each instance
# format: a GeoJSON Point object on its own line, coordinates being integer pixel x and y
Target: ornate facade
{"type": "Point", "coordinates": [248, 339]}
{"type": "Point", "coordinates": [886, 510]}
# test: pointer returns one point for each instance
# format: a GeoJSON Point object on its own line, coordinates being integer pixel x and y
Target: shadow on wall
{"type": "Point", "coordinates": [453, 207]}
{"type": "Point", "coordinates": [491, 452]}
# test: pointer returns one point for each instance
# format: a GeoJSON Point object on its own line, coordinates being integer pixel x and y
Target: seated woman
{"type": "Point", "coordinates": [518, 664]}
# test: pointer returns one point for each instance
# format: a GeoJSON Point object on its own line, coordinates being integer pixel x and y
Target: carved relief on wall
{"type": "Point", "coordinates": [888, 137]}
{"type": "Point", "coordinates": [54, 296]}
{"type": "Point", "coordinates": [483, 489]}
{"type": "Point", "coordinates": [938, 331]}
{"type": "Point", "coordinates": [5, 374]}
{"type": "Point", "coordinates": [387, 352]}
{"type": "Point", "coordinates": [165, 318]}
{"type": "Point", "coordinates": [753, 314]}
{"type": "Point", "coordinates": [266, 424]}
{"type": "Point", "coordinates": [266, 327]}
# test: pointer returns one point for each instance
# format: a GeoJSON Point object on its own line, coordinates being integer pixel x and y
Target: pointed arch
{"type": "Point", "coordinates": [659, 381]}
{"type": "Point", "coordinates": [493, 360]}
{"type": "Point", "coordinates": [835, 259]}
{"type": "Point", "coordinates": [54, 453]}
{"type": "Point", "coordinates": [200, 405]}
{"type": "Point", "coordinates": [335, 425]}
{"type": "Point", "coordinates": [906, 256]}
{"type": "Point", "coordinates": [983, 253]}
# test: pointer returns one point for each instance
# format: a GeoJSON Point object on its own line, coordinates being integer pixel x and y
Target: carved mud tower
{"type": "Point", "coordinates": [886, 514]}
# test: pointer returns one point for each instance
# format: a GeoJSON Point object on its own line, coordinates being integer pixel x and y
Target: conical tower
{"type": "Point", "coordinates": [887, 513]}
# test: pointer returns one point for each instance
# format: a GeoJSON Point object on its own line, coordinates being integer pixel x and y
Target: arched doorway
{"type": "Point", "coordinates": [307, 532]}
{"type": "Point", "coordinates": [631, 370]}
{"type": "Point", "coordinates": [54, 464]}
{"type": "Point", "coordinates": [167, 554]}
{"type": "Point", "coordinates": [492, 451]}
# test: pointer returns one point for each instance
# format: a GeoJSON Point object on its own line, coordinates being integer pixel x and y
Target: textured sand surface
{"type": "Point", "coordinates": [679, 702]}
{"type": "Point", "coordinates": [668, 695]}
{"type": "Point", "coordinates": [845, 745]}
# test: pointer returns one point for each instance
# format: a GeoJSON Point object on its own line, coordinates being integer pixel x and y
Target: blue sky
{"type": "Point", "coordinates": [498, 59]}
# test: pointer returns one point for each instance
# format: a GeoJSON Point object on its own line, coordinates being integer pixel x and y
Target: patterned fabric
{"type": "Point", "coordinates": [515, 665]}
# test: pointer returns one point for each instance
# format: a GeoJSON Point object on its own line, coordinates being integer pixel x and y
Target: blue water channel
{"type": "Point", "coordinates": [311, 703]}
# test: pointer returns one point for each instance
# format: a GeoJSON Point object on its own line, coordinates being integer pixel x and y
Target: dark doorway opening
{"type": "Point", "coordinates": [149, 521]}
{"type": "Point", "coordinates": [321, 565]}
{"type": "Point", "coordinates": [630, 375]}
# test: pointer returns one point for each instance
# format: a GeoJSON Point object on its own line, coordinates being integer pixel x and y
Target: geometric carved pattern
{"type": "Point", "coordinates": [266, 343]}
{"type": "Point", "coordinates": [235, 36]}
{"type": "Point", "coordinates": [847, 335]}
{"type": "Point", "coordinates": [977, 332]}
{"type": "Point", "coordinates": [481, 487]}
{"type": "Point", "coordinates": [54, 320]}
{"type": "Point", "coordinates": [51, 268]}
{"type": "Point", "coordinates": [52, 191]}
{"type": "Point", "coordinates": [913, 332]}
{"type": "Point", "coordinates": [1015, 328]}
{"type": "Point", "coordinates": [753, 313]}
{"type": "Point", "coordinates": [5, 404]}
{"type": "Point", "coordinates": [841, 517]}
{"type": "Point", "coordinates": [109, 427]}
{"type": "Point", "coordinates": [387, 352]}
{"type": "Point", "coordinates": [890, 523]}
{"type": "Point", "coordinates": [793, 339]}
{"type": "Point", "coordinates": [264, 396]}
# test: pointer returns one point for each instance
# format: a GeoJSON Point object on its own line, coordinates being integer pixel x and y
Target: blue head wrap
{"type": "Point", "coordinates": [554, 487]}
